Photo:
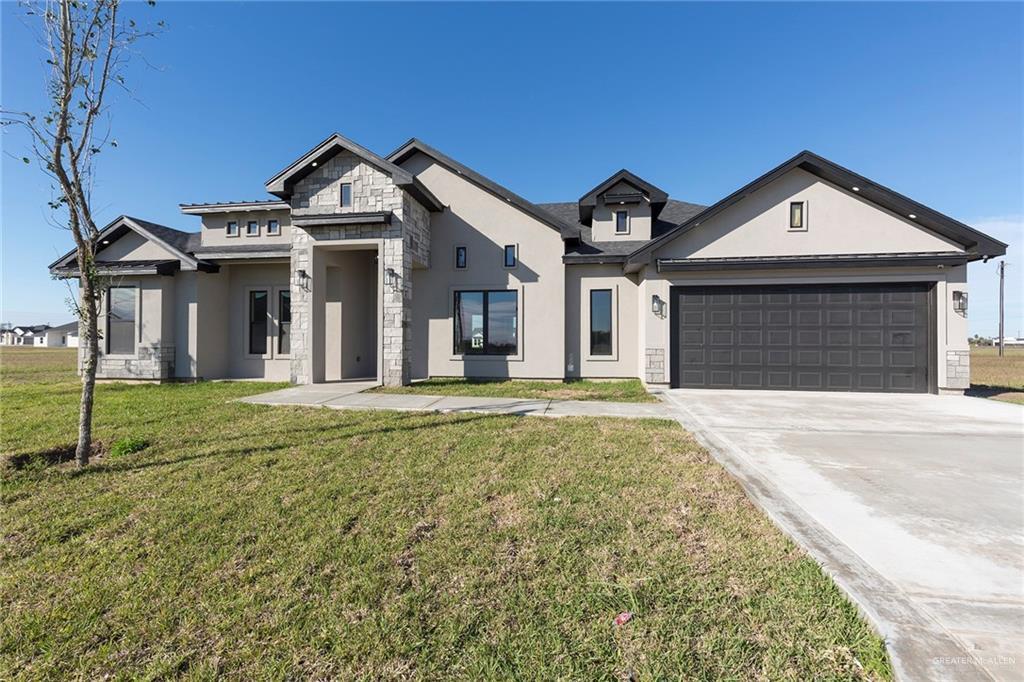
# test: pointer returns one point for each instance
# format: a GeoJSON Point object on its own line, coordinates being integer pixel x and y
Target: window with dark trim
{"type": "Point", "coordinates": [346, 195]}
{"type": "Point", "coordinates": [258, 322]}
{"type": "Point", "coordinates": [121, 320]}
{"type": "Point", "coordinates": [510, 255]}
{"type": "Point", "coordinates": [273, 227]}
{"type": "Point", "coordinates": [600, 321]}
{"type": "Point", "coordinates": [486, 322]}
{"type": "Point", "coordinates": [621, 222]}
{"type": "Point", "coordinates": [284, 322]}
{"type": "Point", "coordinates": [232, 228]}
{"type": "Point", "coordinates": [796, 215]}
{"type": "Point", "coordinates": [460, 257]}
{"type": "Point", "coordinates": [252, 229]}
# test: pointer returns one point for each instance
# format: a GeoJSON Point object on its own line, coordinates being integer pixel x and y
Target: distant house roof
{"type": "Point", "coordinates": [69, 328]}
{"type": "Point", "coordinates": [30, 330]}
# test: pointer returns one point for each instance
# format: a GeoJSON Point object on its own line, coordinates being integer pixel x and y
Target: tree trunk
{"type": "Point", "coordinates": [90, 313]}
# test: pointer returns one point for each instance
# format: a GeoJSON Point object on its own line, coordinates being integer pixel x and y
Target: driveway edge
{"type": "Point", "coordinates": [915, 641]}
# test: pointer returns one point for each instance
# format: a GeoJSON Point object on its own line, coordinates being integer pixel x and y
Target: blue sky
{"type": "Point", "coordinates": [548, 100]}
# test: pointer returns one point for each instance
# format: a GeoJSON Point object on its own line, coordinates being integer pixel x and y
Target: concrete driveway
{"type": "Point", "coordinates": [914, 504]}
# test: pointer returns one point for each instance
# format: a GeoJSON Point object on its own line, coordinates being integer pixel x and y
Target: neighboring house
{"type": "Point", "coordinates": [64, 336]}
{"type": "Point", "coordinates": [413, 265]}
{"type": "Point", "coordinates": [24, 335]}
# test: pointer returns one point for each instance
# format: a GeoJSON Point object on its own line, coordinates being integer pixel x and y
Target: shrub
{"type": "Point", "coordinates": [128, 445]}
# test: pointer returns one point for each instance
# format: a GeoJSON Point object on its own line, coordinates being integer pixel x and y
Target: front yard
{"type": "Point", "coordinates": [618, 390]}
{"type": "Point", "coordinates": [255, 542]}
{"type": "Point", "coordinates": [997, 377]}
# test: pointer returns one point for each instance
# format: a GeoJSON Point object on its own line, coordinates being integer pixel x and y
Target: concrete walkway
{"type": "Point", "coordinates": [350, 395]}
{"type": "Point", "coordinates": [914, 504]}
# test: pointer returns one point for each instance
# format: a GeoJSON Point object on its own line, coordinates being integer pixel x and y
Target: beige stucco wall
{"type": "Point", "coordinates": [580, 280]}
{"type": "Point", "coordinates": [133, 246]}
{"type": "Point", "coordinates": [949, 337]}
{"type": "Point", "coordinates": [838, 222]}
{"type": "Point", "coordinates": [350, 324]}
{"type": "Point", "coordinates": [211, 338]}
{"type": "Point", "coordinates": [603, 223]}
{"type": "Point", "coordinates": [214, 231]}
{"type": "Point", "coordinates": [485, 224]}
{"type": "Point", "coordinates": [242, 278]}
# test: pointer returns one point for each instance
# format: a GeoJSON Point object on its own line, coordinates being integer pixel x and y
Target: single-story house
{"type": "Point", "coordinates": [24, 335]}
{"type": "Point", "coordinates": [413, 265]}
{"type": "Point", "coordinates": [64, 336]}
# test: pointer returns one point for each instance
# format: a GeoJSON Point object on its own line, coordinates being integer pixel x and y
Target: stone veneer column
{"type": "Point", "coordinates": [958, 369]}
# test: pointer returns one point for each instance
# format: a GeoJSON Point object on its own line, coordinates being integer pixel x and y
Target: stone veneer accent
{"type": "Point", "coordinates": [958, 369]}
{"type": "Point", "coordinates": [654, 365]}
{"type": "Point", "coordinates": [406, 239]}
{"type": "Point", "coordinates": [151, 362]}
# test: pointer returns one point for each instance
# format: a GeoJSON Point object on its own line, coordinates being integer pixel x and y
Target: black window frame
{"type": "Point", "coordinates": [284, 324]}
{"type": "Point", "coordinates": [465, 257]}
{"type": "Point", "coordinates": [276, 225]}
{"type": "Point", "coordinates": [515, 255]}
{"type": "Point", "coordinates": [802, 223]}
{"type": "Point", "coordinates": [341, 195]}
{"type": "Point", "coordinates": [486, 349]}
{"type": "Point", "coordinates": [611, 324]}
{"type": "Point", "coordinates": [227, 228]}
{"type": "Point", "coordinates": [265, 322]}
{"type": "Point", "coordinates": [625, 213]}
{"type": "Point", "coordinates": [134, 322]}
{"type": "Point", "coordinates": [252, 234]}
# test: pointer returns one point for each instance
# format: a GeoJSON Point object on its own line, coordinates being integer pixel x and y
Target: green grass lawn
{"type": "Point", "coordinates": [253, 542]}
{"type": "Point", "coordinates": [619, 390]}
{"type": "Point", "coordinates": [997, 377]}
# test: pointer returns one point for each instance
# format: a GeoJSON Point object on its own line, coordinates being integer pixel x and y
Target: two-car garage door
{"type": "Point", "coordinates": [819, 337]}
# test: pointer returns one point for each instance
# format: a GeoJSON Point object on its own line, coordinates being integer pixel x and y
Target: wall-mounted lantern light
{"type": "Point", "coordinates": [390, 277]}
{"type": "Point", "coordinates": [657, 305]}
{"type": "Point", "coordinates": [960, 302]}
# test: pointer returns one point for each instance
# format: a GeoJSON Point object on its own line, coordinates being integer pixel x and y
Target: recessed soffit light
{"type": "Point", "coordinates": [856, 189]}
{"type": "Point", "coordinates": [912, 216]}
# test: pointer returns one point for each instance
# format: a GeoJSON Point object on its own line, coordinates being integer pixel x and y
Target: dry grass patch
{"type": "Point", "coordinates": [1001, 378]}
{"type": "Point", "coordinates": [251, 542]}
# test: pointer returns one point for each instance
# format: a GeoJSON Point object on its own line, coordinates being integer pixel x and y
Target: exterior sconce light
{"type": "Point", "coordinates": [390, 277]}
{"type": "Point", "coordinates": [657, 305]}
{"type": "Point", "coordinates": [303, 279]}
{"type": "Point", "coordinates": [960, 302]}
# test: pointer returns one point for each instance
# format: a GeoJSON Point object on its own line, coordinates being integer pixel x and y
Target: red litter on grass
{"type": "Point", "coordinates": [623, 618]}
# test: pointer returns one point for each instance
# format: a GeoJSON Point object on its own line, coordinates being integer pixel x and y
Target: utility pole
{"type": "Point", "coordinates": [1002, 279]}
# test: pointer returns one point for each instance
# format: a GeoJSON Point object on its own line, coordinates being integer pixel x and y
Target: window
{"type": "Point", "coordinates": [252, 229]}
{"type": "Point", "coordinates": [510, 255]}
{"type": "Point", "coordinates": [622, 222]}
{"type": "Point", "coordinates": [796, 215]}
{"type": "Point", "coordinates": [232, 228]}
{"type": "Point", "coordinates": [121, 320]}
{"type": "Point", "coordinates": [486, 322]}
{"type": "Point", "coordinates": [346, 195]}
{"type": "Point", "coordinates": [284, 322]}
{"type": "Point", "coordinates": [601, 322]}
{"type": "Point", "coordinates": [460, 257]}
{"type": "Point", "coordinates": [273, 227]}
{"type": "Point", "coordinates": [257, 323]}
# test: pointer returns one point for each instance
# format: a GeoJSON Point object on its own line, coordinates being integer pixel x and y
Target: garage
{"type": "Point", "coordinates": [871, 337]}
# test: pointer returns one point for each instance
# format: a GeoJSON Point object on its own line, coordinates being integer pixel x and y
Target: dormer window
{"type": "Point", "coordinates": [232, 228]}
{"type": "Point", "coordinates": [252, 229]}
{"type": "Point", "coordinates": [622, 222]}
{"type": "Point", "coordinates": [273, 227]}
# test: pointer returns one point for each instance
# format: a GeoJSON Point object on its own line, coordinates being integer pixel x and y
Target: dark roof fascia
{"type": "Point", "coordinates": [138, 226]}
{"type": "Point", "coordinates": [374, 218]}
{"type": "Point", "coordinates": [592, 259]}
{"type": "Point", "coordinates": [281, 185]}
{"type": "Point", "coordinates": [655, 195]}
{"type": "Point", "coordinates": [119, 268]}
{"type": "Point", "coordinates": [230, 206]}
{"type": "Point", "coordinates": [567, 230]}
{"type": "Point", "coordinates": [945, 258]}
{"type": "Point", "coordinates": [973, 240]}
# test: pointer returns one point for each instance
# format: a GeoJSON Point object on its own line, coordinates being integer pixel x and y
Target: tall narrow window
{"type": "Point", "coordinates": [121, 320]}
{"type": "Point", "coordinates": [252, 229]}
{"type": "Point", "coordinates": [273, 227]}
{"type": "Point", "coordinates": [796, 215]}
{"type": "Point", "coordinates": [232, 228]}
{"type": "Point", "coordinates": [257, 323]}
{"type": "Point", "coordinates": [601, 322]}
{"type": "Point", "coordinates": [510, 255]}
{"type": "Point", "coordinates": [460, 257]}
{"type": "Point", "coordinates": [346, 195]}
{"type": "Point", "coordinates": [622, 222]}
{"type": "Point", "coordinates": [284, 322]}
{"type": "Point", "coordinates": [486, 322]}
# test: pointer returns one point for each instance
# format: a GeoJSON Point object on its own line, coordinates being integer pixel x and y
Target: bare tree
{"type": "Point", "coordinates": [88, 44]}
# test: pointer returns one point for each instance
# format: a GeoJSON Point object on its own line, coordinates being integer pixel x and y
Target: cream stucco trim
{"type": "Point", "coordinates": [520, 306]}
{"type": "Point", "coordinates": [585, 290]}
